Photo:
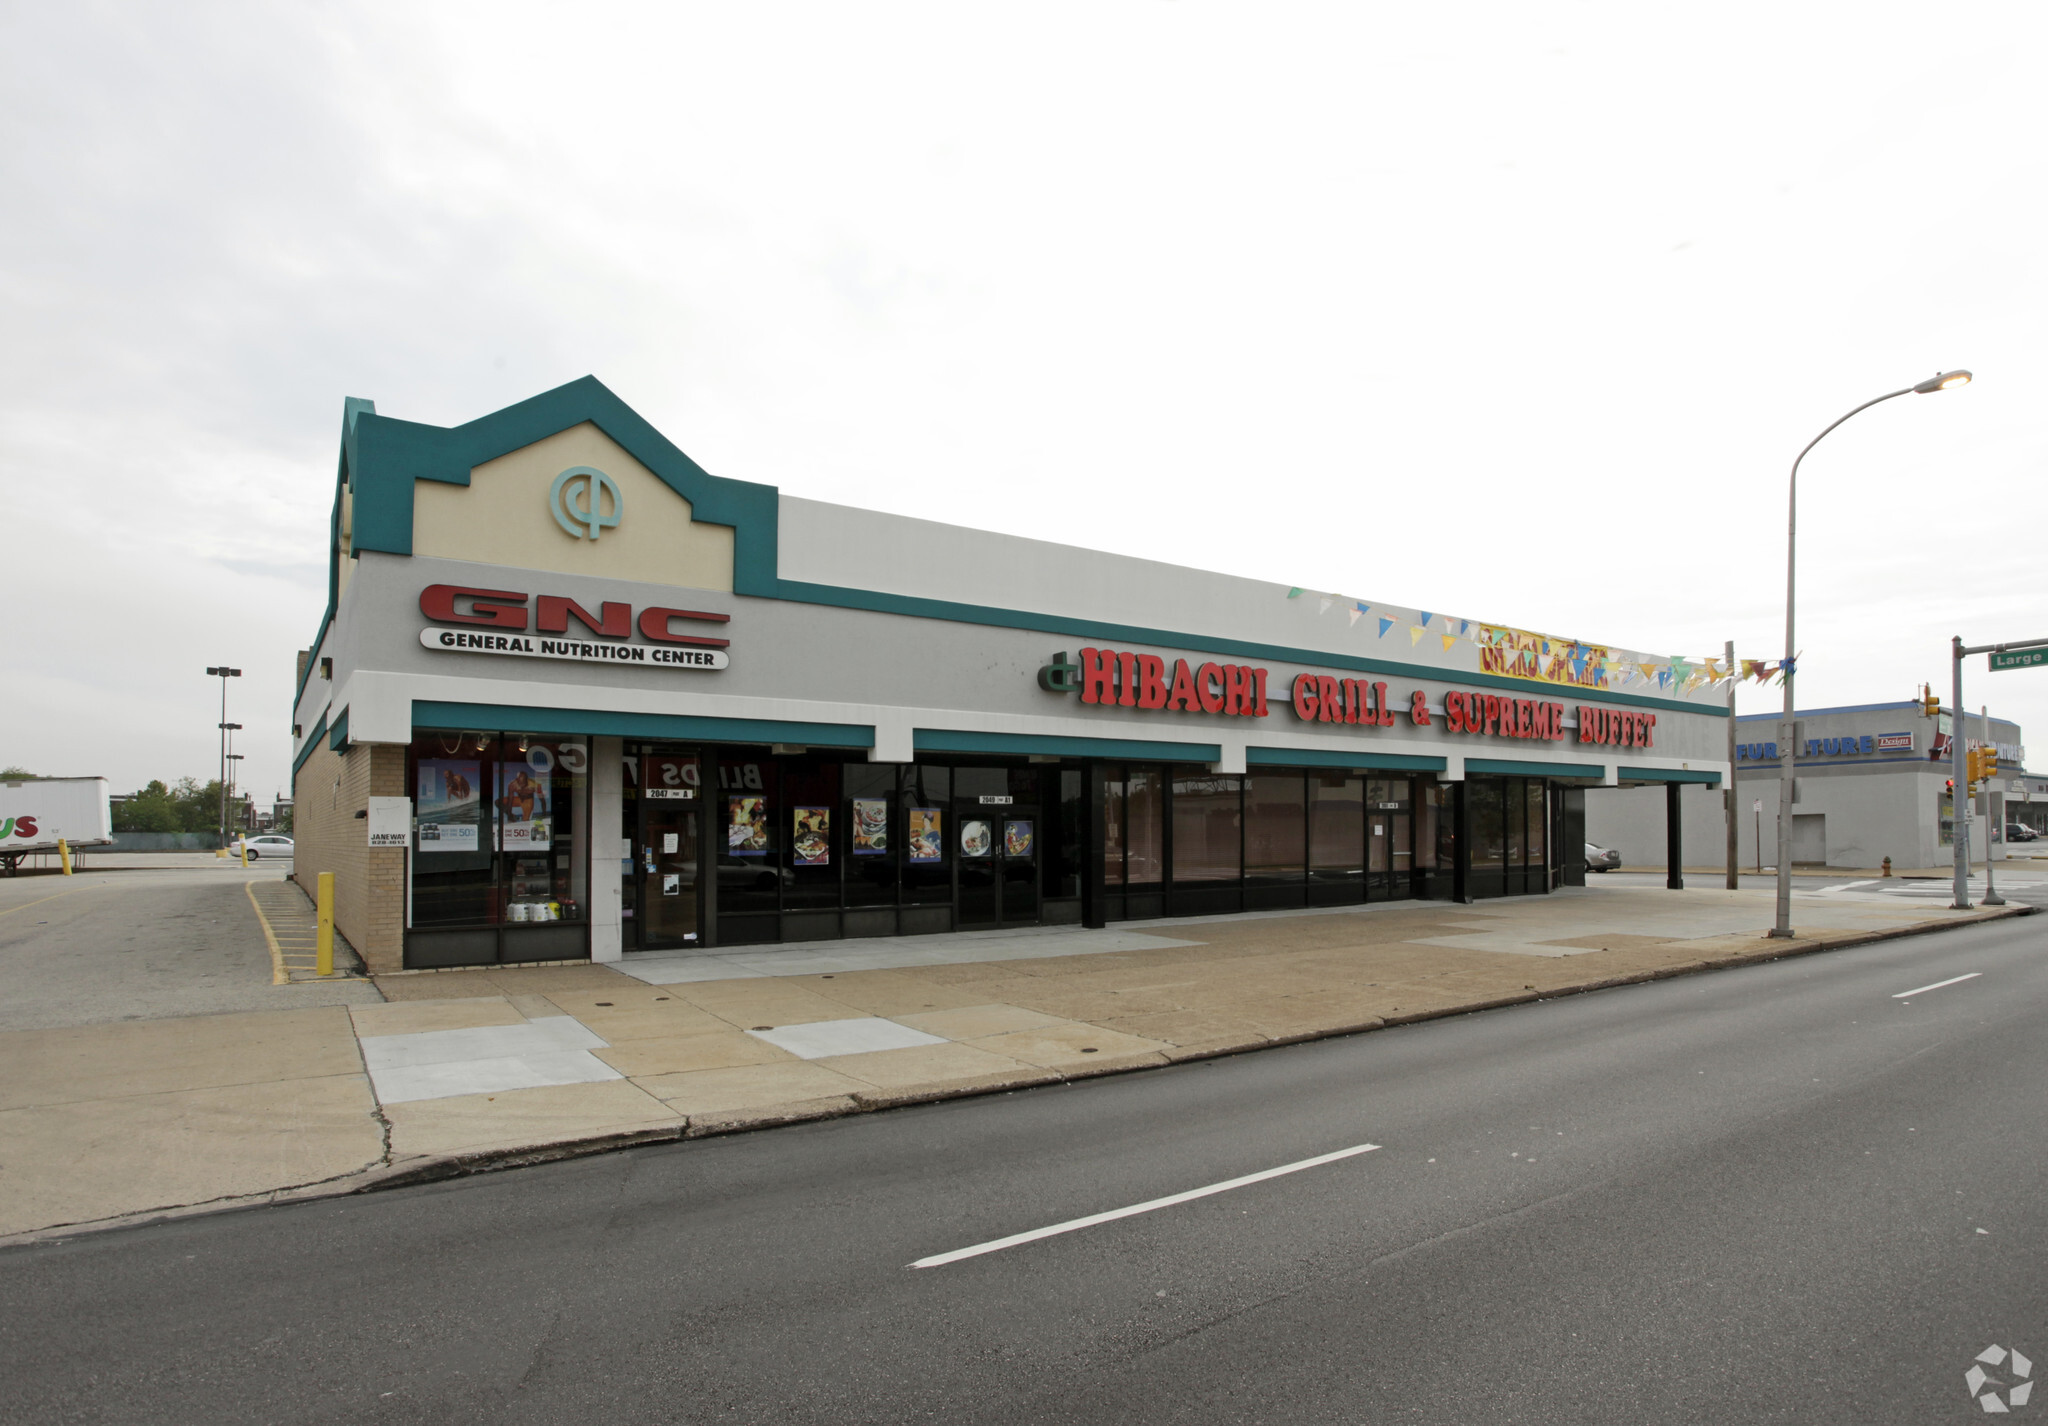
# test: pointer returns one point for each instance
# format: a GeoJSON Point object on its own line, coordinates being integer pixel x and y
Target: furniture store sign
{"type": "Point", "coordinates": [510, 623]}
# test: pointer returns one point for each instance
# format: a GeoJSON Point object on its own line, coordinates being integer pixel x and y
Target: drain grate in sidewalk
{"type": "Point", "coordinates": [289, 925]}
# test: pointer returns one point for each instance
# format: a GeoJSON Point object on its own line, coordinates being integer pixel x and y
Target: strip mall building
{"type": "Point", "coordinates": [575, 697]}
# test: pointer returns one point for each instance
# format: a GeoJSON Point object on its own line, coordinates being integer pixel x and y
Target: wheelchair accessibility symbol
{"type": "Point", "coordinates": [577, 500]}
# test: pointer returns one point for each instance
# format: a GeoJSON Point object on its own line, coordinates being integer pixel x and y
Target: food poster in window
{"type": "Point", "coordinates": [870, 826]}
{"type": "Point", "coordinates": [927, 842]}
{"type": "Point", "coordinates": [448, 809]}
{"type": "Point", "coordinates": [523, 803]}
{"type": "Point", "coordinates": [746, 833]}
{"type": "Point", "coordinates": [812, 835]}
{"type": "Point", "coordinates": [977, 838]}
{"type": "Point", "coordinates": [1017, 838]}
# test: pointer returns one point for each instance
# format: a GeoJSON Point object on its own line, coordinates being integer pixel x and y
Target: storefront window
{"type": "Point", "coordinates": [1207, 841]}
{"type": "Point", "coordinates": [1144, 826]}
{"type": "Point", "coordinates": [1336, 827]}
{"type": "Point", "coordinates": [815, 844]}
{"type": "Point", "coordinates": [873, 829]}
{"type": "Point", "coordinates": [1113, 827]}
{"type": "Point", "coordinates": [751, 836]}
{"type": "Point", "coordinates": [496, 829]}
{"type": "Point", "coordinates": [926, 802]}
{"type": "Point", "coordinates": [1276, 828]}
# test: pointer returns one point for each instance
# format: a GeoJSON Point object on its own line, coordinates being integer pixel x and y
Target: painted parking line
{"type": "Point", "coordinates": [996, 1245]}
{"type": "Point", "coordinates": [1953, 980]}
{"type": "Point", "coordinates": [40, 900]}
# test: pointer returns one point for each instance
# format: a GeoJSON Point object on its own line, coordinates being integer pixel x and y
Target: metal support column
{"type": "Point", "coordinates": [1674, 838]}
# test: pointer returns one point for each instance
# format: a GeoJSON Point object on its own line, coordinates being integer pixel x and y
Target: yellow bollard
{"type": "Point", "coordinates": [64, 855]}
{"type": "Point", "coordinates": [245, 854]}
{"type": "Point", "coordinates": [323, 902]}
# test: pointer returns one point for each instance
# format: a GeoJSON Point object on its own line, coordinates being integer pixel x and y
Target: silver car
{"type": "Point", "coordinates": [258, 848]}
{"type": "Point", "coordinates": [1601, 858]}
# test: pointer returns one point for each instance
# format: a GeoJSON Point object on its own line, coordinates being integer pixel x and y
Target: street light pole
{"type": "Point", "coordinates": [223, 673]}
{"type": "Point", "coordinates": [1787, 754]}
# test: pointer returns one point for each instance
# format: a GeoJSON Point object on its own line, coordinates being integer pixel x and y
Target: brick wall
{"type": "Point", "coordinates": [369, 886]}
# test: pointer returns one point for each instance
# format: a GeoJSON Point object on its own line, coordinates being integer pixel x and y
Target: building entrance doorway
{"type": "Point", "coordinates": [663, 818]}
{"type": "Point", "coordinates": [998, 848]}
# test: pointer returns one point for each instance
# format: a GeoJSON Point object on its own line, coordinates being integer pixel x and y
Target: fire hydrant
{"type": "Point", "coordinates": [1887, 866]}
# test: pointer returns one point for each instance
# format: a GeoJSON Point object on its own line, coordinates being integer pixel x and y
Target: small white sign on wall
{"type": "Point", "coordinates": [390, 821]}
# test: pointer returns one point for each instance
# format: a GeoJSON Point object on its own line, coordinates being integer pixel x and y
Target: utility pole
{"type": "Point", "coordinates": [1991, 828]}
{"type": "Point", "coordinates": [1959, 797]}
{"type": "Point", "coordinates": [1728, 795]}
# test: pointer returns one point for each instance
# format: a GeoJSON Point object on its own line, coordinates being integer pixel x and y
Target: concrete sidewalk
{"type": "Point", "coordinates": [461, 1070]}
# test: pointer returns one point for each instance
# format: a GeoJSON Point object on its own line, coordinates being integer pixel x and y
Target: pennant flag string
{"type": "Point", "coordinates": [1415, 632]}
{"type": "Point", "coordinates": [1385, 624]}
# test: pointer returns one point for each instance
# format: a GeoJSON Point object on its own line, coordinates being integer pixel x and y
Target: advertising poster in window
{"type": "Point", "coordinates": [1017, 839]}
{"type": "Point", "coordinates": [747, 826]}
{"type": "Point", "coordinates": [870, 826]}
{"type": "Point", "coordinates": [449, 809]}
{"type": "Point", "coordinates": [926, 841]}
{"type": "Point", "coordinates": [812, 843]}
{"type": "Point", "coordinates": [977, 838]}
{"type": "Point", "coordinates": [523, 821]}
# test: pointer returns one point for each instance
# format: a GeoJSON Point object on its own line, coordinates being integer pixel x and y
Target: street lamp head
{"type": "Point", "coordinates": [1943, 382]}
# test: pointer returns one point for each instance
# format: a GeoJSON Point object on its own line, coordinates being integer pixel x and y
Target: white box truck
{"type": "Point", "coordinates": [34, 814]}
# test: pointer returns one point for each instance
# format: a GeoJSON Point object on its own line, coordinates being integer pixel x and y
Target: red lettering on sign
{"type": "Point", "coordinates": [1128, 663]}
{"type": "Point", "coordinates": [1237, 690]}
{"type": "Point", "coordinates": [1098, 676]}
{"type": "Point", "coordinates": [1454, 711]}
{"type": "Point", "coordinates": [1259, 692]}
{"type": "Point", "coordinates": [1418, 708]}
{"type": "Point", "coordinates": [1649, 728]}
{"type": "Point", "coordinates": [552, 614]}
{"type": "Point", "coordinates": [654, 624]}
{"type": "Point", "coordinates": [494, 608]}
{"type": "Point", "coordinates": [1331, 698]}
{"type": "Point", "coordinates": [1305, 702]}
{"type": "Point", "coordinates": [1352, 694]}
{"type": "Point", "coordinates": [1209, 688]}
{"type": "Point", "coordinates": [1151, 681]}
{"type": "Point", "coordinates": [1183, 695]}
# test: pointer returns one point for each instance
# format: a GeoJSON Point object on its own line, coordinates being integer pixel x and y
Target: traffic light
{"type": "Point", "coordinates": [1948, 787]}
{"type": "Point", "coordinates": [1990, 770]}
{"type": "Point", "coordinates": [1930, 706]}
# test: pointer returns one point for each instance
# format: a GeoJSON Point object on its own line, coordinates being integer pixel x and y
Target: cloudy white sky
{"type": "Point", "coordinates": [1519, 311]}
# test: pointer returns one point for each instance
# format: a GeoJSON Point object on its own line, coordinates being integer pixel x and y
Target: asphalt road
{"type": "Point", "coordinates": [1770, 1194]}
{"type": "Point", "coordinates": [127, 944]}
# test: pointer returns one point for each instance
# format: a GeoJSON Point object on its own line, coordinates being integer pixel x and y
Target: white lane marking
{"type": "Point", "coordinates": [1956, 980]}
{"type": "Point", "coordinates": [998, 1244]}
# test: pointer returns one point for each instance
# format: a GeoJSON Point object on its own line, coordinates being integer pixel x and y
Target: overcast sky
{"type": "Point", "coordinates": [1516, 311]}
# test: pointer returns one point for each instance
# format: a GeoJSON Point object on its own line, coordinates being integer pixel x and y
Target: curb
{"type": "Point", "coordinates": [413, 1173]}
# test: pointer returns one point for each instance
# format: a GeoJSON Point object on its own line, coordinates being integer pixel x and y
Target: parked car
{"type": "Point", "coordinates": [2020, 832]}
{"type": "Point", "coordinates": [1601, 858]}
{"type": "Point", "coordinates": [261, 847]}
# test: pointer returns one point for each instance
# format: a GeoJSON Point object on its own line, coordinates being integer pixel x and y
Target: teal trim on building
{"type": "Point", "coordinates": [387, 456]}
{"type": "Point", "coordinates": [337, 732]}
{"type": "Point", "coordinates": [1513, 767]}
{"type": "Point", "coordinates": [914, 607]}
{"type": "Point", "coordinates": [1665, 774]}
{"type": "Point", "coordinates": [312, 744]}
{"type": "Point", "coordinates": [383, 458]}
{"type": "Point", "coordinates": [571, 722]}
{"type": "Point", "coordinates": [1309, 757]}
{"type": "Point", "coordinates": [949, 740]}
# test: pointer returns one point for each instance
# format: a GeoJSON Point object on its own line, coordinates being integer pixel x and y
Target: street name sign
{"type": "Point", "coordinates": [2019, 658]}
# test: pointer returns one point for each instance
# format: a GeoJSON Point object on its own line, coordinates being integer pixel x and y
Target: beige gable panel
{"type": "Point", "coordinates": [502, 517]}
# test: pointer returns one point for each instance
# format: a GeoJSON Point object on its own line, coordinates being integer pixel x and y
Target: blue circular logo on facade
{"type": "Point", "coordinates": [578, 499]}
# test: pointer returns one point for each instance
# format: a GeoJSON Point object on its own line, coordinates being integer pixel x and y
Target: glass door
{"type": "Point", "coordinates": [997, 847]}
{"type": "Point", "coordinates": [1379, 843]}
{"type": "Point", "coordinates": [665, 852]}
